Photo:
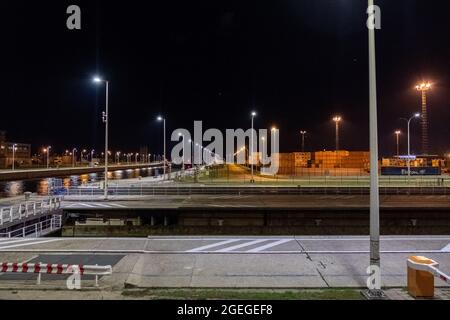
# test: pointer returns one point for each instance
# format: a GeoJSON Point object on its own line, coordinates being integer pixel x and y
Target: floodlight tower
{"type": "Point", "coordinates": [424, 87]}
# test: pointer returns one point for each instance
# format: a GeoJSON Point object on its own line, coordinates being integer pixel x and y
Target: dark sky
{"type": "Point", "coordinates": [297, 62]}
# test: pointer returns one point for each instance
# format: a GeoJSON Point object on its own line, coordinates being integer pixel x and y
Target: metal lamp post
{"type": "Point", "coordinates": [252, 150]}
{"type": "Point", "coordinates": [337, 120]}
{"type": "Point", "coordinates": [397, 134]}
{"type": "Point", "coordinates": [13, 155]}
{"type": "Point", "coordinates": [303, 140]}
{"type": "Point", "coordinates": [163, 119]}
{"type": "Point", "coordinates": [415, 116]}
{"type": "Point", "coordinates": [74, 151]}
{"type": "Point", "coordinates": [106, 121]}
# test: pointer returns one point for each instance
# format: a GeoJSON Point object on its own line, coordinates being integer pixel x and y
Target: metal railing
{"type": "Point", "coordinates": [36, 230]}
{"type": "Point", "coordinates": [175, 190]}
{"type": "Point", "coordinates": [29, 208]}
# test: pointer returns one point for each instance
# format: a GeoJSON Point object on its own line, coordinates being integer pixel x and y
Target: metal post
{"type": "Point", "coordinates": [251, 152]}
{"type": "Point", "coordinates": [13, 156]}
{"type": "Point", "coordinates": [164, 160]}
{"type": "Point", "coordinates": [106, 140]}
{"type": "Point", "coordinates": [424, 123]}
{"type": "Point", "coordinates": [337, 135]}
{"type": "Point", "coordinates": [374, 187]}
{"type": "Point", "coordinates": [409, 150]}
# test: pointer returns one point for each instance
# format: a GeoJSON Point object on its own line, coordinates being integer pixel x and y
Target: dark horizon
{"type": "Point", "coordinates": [297, 63]}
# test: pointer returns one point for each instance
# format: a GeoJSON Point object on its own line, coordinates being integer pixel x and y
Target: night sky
{"type": "Point", "coordinates": [296, 62]}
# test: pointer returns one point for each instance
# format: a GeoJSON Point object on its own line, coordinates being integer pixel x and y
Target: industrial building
{"type": "Point", "coordinates": [21, 154]}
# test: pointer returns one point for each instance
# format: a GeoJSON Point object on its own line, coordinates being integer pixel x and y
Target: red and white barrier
{"type": "Point", "coordinates": [54, 268]}
{"type": "Point", "coordinates": [432, 268]}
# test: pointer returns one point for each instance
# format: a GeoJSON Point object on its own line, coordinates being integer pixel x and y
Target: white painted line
{"type": "Point", "coordinates": [446, 248]}
{"type": "Point", "coordinates": [242, 245]}
{"type": "Point", "coordinates": [218, 244]}
{"type": "Point", "coordinates": [87, 205]}
{"type": "Point", "coordinates": [102, 205]}
{"type": "Point", "coordinates": [28, 244]}
{"type": "Point", "coordinates": [118, 205]}
{"type": "Point", "coordinates": [16, 241]}
{"type": "Point", "coordinates": [270, 245]}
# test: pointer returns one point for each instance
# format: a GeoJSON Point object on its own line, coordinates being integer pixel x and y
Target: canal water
{"type": "Point", "coordinates": [42, 186]}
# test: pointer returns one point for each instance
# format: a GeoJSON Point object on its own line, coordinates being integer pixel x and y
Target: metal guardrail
{"type": "Point", "coordinates": [260, 190]}
{"type": "Point", "coordinates": [29, 208]}
{"type": "Point", "coordinates": [36, 230]}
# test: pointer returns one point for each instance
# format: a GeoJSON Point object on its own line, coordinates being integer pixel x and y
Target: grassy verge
{"type": "Point", "coordinates": [244, 294]}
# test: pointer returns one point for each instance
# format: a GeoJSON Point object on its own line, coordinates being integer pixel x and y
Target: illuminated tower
{"type": "Point", "coordinates": [424, 87]}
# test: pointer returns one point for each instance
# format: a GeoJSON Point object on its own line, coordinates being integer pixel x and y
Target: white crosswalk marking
{"type": "Point", "coordinates": [269, 245]}
{"type": "Point", "coordinates": [242, 245]}
{"type": "Point", "coordinates": [101, 205]}
{"type": "Point", "coordinates": [218, 244]}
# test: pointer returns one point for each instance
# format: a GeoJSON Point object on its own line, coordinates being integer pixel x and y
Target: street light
{"type": "Point", "coordinates": [337, 120]}
{"type": "Point", "coordinates": [253, 114]}
{"type": "Point", "coordinates": [182, 135]}
{"type": "Point", "coordinates": [136, 157]}
{"type": "Point", "coordinates": [105, 120]}
{"type": "Point", "coordinates": [415, 116]}
{"type": "Point", "coordinates": [13, 155]}
{"type": "Point", "coordinates": [397, 133]}
{"type": "Point", "coordinates": [48, 155]}
{"type": "Point", "coordinates": [92, 155]}
{"type": "Point", "coordinates": [303, 140]}
{"type": "Point", "coordinates": [423, 88]}
{"type": "Point", "coordinates": [375, 290]}
{"type": "Point", "coordinates": [74, 150]}
{"type": "Point", "coordinates": [163, 120]}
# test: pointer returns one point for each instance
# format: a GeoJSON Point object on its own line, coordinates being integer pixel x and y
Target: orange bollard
{"type": "Point", "coordinates": [420, 283]}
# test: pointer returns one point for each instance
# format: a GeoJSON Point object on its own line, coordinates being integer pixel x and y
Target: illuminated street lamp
{"type": "Point", "coordinates": [163, 120]}
{"type": "Point", "coordinates": [92, 155]}
{"type": "Point", "coordinates": [252, 148]}
{"type": "Point", "coordinates": [303, 140]}
{"type": "Point", "coordinates": [182, 135]}
{"type": "Point", "coordinates": [74, 150]}
{"type": "Point", "coordinates": [337, 120]}
{"type": "Point", "coordinates": [423, 88]}
{"type": "Point", "coordinates": [136, 157]}
{"type": "Point", "coordinates": [47, 150]}
{"type": "Point", "coordinates": [105, 120]}
{"type": "Point", "coordinates": [14, 148]}
{"type": "Point", "coordinates": [397, 134]}
{"type": "Point", "coordinates": [415, 116]}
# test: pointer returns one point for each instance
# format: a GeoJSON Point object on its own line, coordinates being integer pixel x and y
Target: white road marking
{"type": "Point", "coordinates": [27, 244]}
{"type": "Point", "coordinates": [118, 205]}
{"type": "Point", "coordinates": [446, 248]}
{"type": "Point", "coordinates": [242, 245]}
{"type": "Point", "coordinates": [87, 205]}
{"type": "Point", "coordinates": [15, 241]}
{"type": "Point", "coordinates": [218, 244]}
{"type": "Point", "coordinates": [270, 245]}
{"type": "Point", "coordinates": [102, 205]}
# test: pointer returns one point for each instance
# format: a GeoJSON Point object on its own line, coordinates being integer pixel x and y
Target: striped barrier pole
{"type": "Point", "coordinates": [421, 273]}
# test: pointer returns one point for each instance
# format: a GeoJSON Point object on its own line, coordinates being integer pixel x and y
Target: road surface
{"type": "Point", "coordinates": [229, 262]}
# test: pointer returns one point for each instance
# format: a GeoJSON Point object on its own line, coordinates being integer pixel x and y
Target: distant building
{"type": "Point", "coordinates": [22, 154]}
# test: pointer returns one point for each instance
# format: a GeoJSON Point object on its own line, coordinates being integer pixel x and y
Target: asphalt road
{"type": "Point", "coordinates": [233, 262]}
{"type": "Point", "coordinates": [253, 201]}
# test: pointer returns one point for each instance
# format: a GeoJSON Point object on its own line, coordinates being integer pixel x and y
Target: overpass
{"type": "Point", "coordinates": [40, 173]}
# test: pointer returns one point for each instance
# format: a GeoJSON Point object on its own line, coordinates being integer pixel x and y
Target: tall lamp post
{"type": "Point", "coordinates": [397, 134]}
{"type": "Point", "coordinates": [182, 135]}
{"type": "Point", "coordinates": [74, 151]}
{"type": "Point", "coordinates": [106, 121]}
{"type": "Point", "coordinates": [303, 140]}
{"type": "Point", "coordinates": [415, 116]}
{"type": "Point", "coordinates": [163, 120]}
{"type": "Point", "coordinates": [423, 88]}
{"type": "Point", "coordinates": [48, 156]}
{"type": "Point", "coordinates": [337, 120]}
{"type": "Point", "coordinates": [252, 150]}
{"type": "Point", "coordinates": [375, 288]}
{"type": "Point", "coordinates": [13, 155]}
